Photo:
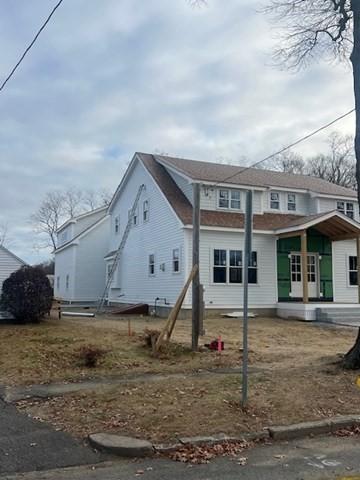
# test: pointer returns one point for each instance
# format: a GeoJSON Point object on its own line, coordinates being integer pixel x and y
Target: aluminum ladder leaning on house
{"type": "Point", "coordinates": [119, 250]}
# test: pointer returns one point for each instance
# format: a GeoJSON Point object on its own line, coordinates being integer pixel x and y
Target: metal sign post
{"type": "Point", "coordinates": [246, 263]}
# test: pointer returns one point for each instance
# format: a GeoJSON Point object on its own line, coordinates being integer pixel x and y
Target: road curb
{"type": "Point", "coordinates": [305, 429]}
{"type": "Point", "coordinates": [133, 447]}
{"type": "Point", "coordinates": [120, 445]}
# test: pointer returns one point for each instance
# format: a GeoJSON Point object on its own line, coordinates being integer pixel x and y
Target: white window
{"type": "Point", "coordinates": [228, 267]}
{"type": "Point", "coordinates": [135, 216]}
{"type": "Point", "coordinates": [235, 268]}
{"type": "Point", "coordinates": [58, 283]}
{"type": "Point", "coordinates": [67, 282]}
{"type": "Point", "coordinates": [117, 224]}
{"type": "Point", "coordinates": [151, 264]}
{"type": "Point", "coordinates": [64, 237]}
{"type": "Point", "coordinates": [274, 200]}
{"type": "Point", "coordinates": [229, 199]}
{"type": "Point", "coordinates": [223, 199]}
{"type": "Point", "coordinates": [353, 272]}
{"type": "Point", "coordinates": [176, 260]}
{"type": "Point", "coordinates": [146, 210]}
{"type": "Point", "coordinates": [347, 208]}
{"type": "Point", "coordinates": [291, 202]}
{"type": "Point", "coordinates": [220, 266]}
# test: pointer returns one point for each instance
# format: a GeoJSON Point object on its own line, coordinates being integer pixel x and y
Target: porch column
{"type": "Point", "coordinates": [304, 267]}
{"type": "Point", "coordinates": [358, 264]}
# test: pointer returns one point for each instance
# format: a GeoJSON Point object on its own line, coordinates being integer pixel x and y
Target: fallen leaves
{"type": "Point", "coordinates": [202, 454]}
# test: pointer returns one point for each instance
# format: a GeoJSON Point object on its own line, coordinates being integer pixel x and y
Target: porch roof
{"type": "Point", "coordinates": [334, 225]}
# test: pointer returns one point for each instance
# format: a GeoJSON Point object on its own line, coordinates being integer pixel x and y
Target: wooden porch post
{"type": "Point", "coordinates": [304, 267]}
{"type": "Point", "coordinates": [358, 264]}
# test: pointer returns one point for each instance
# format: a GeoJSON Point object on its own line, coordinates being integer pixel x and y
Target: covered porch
{"type": "Point", "coordinates": [305, 268]}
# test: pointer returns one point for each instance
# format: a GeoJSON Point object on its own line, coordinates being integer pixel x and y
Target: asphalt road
{"type": "Point", "coordinates": [320, 458]}
{"type": "Point", "coordinates": [28, 445]}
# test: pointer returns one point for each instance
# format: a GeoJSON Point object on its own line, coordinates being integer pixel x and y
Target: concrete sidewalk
{"type": "Point", "coordinates": [28, 445]}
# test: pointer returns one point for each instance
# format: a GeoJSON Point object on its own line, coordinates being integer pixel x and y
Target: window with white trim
{"type": "Point", "coordinates": [58, 283]}
{"type": "Point", "coordinates": [67, 281]}
{"type": "Point", "coordinates": [347, 208]}
{"type": "Point", "coordinates": [253, 268]}
{"type": "Point", "coordinates": [235, 266]}
{"type": "Point", "coordinates": [230, 199]}
{"type": "Point", "coordinates": [117, 224]}
{"type": "Point", "coordinates": [220, 266]}
{"type": "Point", "coordinates": [176, 260]}
{"type": "Point", "coordinates": [353, 270]}
{"type": "Point", "coordinates": [291, 202]}
{"type": "Point", "coordinates": [228, 267]}
{"type": "Point", "coordinates": [145, 210]}
{"type": "Point", "coordinates": [109, 270]}
{"type": "Point", "coordinates": [135, 216]}
{"type": "Point", "coordinates": [274, 200]}
{"type": "Point", "coordinates": [152, 264]}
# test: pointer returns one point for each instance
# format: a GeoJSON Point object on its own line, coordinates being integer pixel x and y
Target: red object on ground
{"type": "Point", "coordinates": [217, 345]}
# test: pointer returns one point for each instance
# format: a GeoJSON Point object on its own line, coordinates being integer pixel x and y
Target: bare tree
{"type": "Point", "coordinates": [48, 217]}
{"type": "Point", "coordinates": [338, 166]}
{"type": "Point", "coordinates": [287, 162]}
{"type": "Point", "coordinates": [59, 206]}
{"type": "Point", "coordinates": [328, 29]}
{"type": "Point", "coordinates": [73, 199]}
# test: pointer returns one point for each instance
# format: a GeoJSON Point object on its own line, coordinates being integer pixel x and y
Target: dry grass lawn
{"type": "Point", "coordinates": [296, 376]}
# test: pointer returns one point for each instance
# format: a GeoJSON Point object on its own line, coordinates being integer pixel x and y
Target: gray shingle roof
{"type": "Point", "coordinates": [215, 172]}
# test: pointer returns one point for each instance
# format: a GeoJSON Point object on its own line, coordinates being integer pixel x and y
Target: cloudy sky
{"type": "Point", "coordinates": [109, 77]}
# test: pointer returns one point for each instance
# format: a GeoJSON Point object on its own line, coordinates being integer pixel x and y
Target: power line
{"type": "Point", "coordinates": [300, 140]}
{"type": "Point", "coordinates": [31, 44]}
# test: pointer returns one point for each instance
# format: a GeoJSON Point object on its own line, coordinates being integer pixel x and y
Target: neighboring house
{"type": "Point", "coordinates": [9, 263]}
{"type": "Point", "coordinates": [79, 257]}
{"type": "Point", "coordinates": [297, 219]}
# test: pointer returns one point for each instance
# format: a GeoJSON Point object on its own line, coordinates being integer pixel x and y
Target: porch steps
{"type": "Point", "coordinates": [338, 315]}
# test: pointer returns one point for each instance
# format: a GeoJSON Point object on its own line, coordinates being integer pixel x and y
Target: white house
{"type": "Point", "coordinates": [301, 224]}
{"type": "Point", "coordinates": [9, 263]}
{"type": "Point", "coordinates": [79, 257]}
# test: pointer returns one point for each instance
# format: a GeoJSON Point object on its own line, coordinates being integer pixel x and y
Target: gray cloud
{"type": "Point", "coordinates": [109, 78]}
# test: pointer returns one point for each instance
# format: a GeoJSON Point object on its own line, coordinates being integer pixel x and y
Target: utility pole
{"type": "Point", "coordinates": [247, 257]}
{"type": "Point", "coordinates": [196, 308]}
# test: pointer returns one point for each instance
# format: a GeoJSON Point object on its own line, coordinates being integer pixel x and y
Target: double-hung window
{"type": "Point", "coordinates": [152, 264]}
{"type": "Point", "coordinates": [220, 266]}
{"type": "Point", "coordinates": [228, 267]}
{"type": "Point", "coordinates": [229, 199]}
{"type": "Point", "coordinates": [176, 260]}
{"type": "Point", "coordinates": [235, 266]}
{"type": "Point", "coordinates": [291, 202]}
{"type": "Point", "coordinates": [145, 210]}
{"type": "Point", "coordinates": [58, 283]}
{"type": "Point", "coordinates": [353, 270]}
{"type": "Point", "coordinates": [67, 282]}
{"type": "Point", "coordinates": [274, 200]}
{"type": "Point", "coordinates": [347, 208]}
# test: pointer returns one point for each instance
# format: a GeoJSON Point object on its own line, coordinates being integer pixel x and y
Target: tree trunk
{"type": "Point", "coordinates": [352, 358]}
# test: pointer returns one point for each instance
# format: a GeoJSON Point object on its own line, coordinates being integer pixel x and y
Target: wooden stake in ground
{"type": "Point", "coordinates": [170, 323]}
{"type": "Point", "coordinates": [196, 307]}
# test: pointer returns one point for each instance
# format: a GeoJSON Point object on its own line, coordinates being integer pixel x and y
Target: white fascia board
{"type": "Point", "coordinates": [64, 247]}
{"type": "Point", "coordinates": [335, 197]}
{"type": "Point", "coordinates": [66, 224]}
{"type": "Point", "coordinates": [230, 185]}
{"type": "Point", "coordinates": [174, 169]}
{"type": "Point", "coordinates": [288, 189]}
{"type": "Point", "coordinates": [230, 229]}
{"type": "Point", "coordinates": [123, 181]}
{"type": "Point", "coordinates": [317, 220]}
{"type": "Point", "coordinates": [161, 193]}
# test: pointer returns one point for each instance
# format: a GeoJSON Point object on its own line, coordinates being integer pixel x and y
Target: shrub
{"type": "Point", "coordinates": [90, 355]}
{"type": "Point", "coordinates": [27, 295]}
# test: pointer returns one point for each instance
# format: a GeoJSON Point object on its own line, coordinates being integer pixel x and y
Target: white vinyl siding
{"type": "Point", "coordinates": [343, 291]}
{"type": "Point", "coordinates": [217, 295]}
{"type": "Point", "coordinates": [8, 265]}
{"type": "Point", "coordinates": [159, 235]}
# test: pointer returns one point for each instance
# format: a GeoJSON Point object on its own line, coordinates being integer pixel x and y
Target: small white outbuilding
{"type": "Point", "coordinates": [9, 263]}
